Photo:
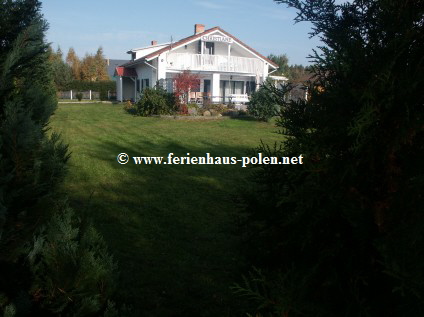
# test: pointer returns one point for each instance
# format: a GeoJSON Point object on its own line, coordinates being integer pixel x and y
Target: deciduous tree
{"type": "Point", "coordinates": [94, 67]}
{"type": "Point", "coordinates": [74, 62]}
{"type": "Point", "coordinates": [184, 83]}
{"type": "Point", "coordinates": [283, 64]}
{"type": "Point", "coordinates": [293, 72]}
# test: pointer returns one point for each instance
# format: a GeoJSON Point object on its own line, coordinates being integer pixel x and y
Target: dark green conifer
{"type": "Point", "coordinates": [35, 231]}
{"type": "Point", "coordinates": [342, 234]}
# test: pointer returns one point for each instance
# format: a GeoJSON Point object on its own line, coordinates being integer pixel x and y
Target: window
{"type": "Point", "coordinates": [250, 87]}
{"type": "Point", "coordinates": [232, 87]}
{"type": "Point", "coordinates": [207, 85]}
{"type": "Point", "coordinates": [210, 48]}
{"type": "Point", "coordinates": [144, 83]}
{"type": "Point", "coordinates": [237, 87]}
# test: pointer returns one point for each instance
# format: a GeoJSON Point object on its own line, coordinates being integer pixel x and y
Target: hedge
{"type": "Point", "coordinates": [80, 85]}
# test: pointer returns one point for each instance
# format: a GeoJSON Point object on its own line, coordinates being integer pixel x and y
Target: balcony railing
{"type": "Point", "coordinates": [181, 61]}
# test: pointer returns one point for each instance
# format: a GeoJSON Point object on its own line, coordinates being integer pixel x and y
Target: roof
{"type": "Point", "coordinates": [126, 72]}
{"type": "Point", "coordinates": [112, 64]}
{"type": "Point", "coordinates": [146, 47]}
{"type": "Point", "coordinates": [193, 37]}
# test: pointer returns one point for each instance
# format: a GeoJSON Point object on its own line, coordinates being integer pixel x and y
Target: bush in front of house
{"type": "Point", "coordinates": [193, 109]}
{"type": "Point", "coordinates": [215, 108]}
{"type": "Point", "coordinates": [130, 107]}
{"type": "Point", "coordinates": [156, 101]}
{"type": "Point", "coordinates": [263, 105]}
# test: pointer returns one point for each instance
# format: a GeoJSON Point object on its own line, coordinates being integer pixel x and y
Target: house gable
{"type": "Point", "coordinates": [216, 31]}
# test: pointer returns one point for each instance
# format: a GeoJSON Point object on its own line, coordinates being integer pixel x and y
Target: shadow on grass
{"type": "Point", "coordinates": [171, 227]}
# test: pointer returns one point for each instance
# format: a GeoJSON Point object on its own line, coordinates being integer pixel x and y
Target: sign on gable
{"type": "Point", "coordinates": [217, 38]}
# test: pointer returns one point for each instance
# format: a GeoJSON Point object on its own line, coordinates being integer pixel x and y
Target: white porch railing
{"type": "Point", "coordinates": [181, 61]}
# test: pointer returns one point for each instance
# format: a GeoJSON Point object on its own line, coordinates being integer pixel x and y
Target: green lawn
{"type": "Point", "coordinates": [171, 227]}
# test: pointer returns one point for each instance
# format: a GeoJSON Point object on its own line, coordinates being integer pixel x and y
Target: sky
{"type": "Point", "coordinates": [119, 26]}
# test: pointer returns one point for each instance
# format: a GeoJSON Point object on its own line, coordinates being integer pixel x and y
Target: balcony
{"type": "Point", "coordinates": [198, 62]}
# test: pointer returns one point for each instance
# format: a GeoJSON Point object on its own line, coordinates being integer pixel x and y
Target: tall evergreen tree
{"type": "Point", "coordinates": [62, 72]}
{"type": "Point", "coordinates": [32, 163]}
{"type": "Point", "coordinates": [342, 234]}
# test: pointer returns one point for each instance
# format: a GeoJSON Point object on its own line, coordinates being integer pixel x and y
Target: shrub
{"type": "Point", "coordinates": [183, 109]}
{"type": "Point", "coordinates": [263, 104]}
{"type": "Point", "coordinates": [231, 105]}
{"type": "Point", "coordinates": [129, 107]}
{"type": "Point", "coordinates": [156, 101]}
{"type": "Point", "coordinates": [79, 96]}
{"type": "Point", "coordinates": [218, 108]}
{"type": "Point", "coordinates": [206, 103]}
{"type": "Point", "coordinates": [193, 108]}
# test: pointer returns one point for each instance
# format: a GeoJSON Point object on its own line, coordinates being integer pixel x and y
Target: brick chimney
{"type": "Point", "coordinates": [154, 43]}
{"type": "Point", "coordinates": [199, 28]}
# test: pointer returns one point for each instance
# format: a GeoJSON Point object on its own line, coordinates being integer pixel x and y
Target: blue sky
{"type": "Point", "coordinates": [118, 26]}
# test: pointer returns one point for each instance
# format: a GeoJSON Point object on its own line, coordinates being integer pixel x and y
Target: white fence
{"type": "Point", "coordinates": [87, 95]}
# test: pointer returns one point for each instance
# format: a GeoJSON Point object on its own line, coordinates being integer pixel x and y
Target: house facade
{"type": "Point", "coordinates": [228, 69]}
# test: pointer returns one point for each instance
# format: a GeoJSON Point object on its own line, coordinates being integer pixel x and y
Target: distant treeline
{"type": "Point", "coordinates": [88, 73]}
{"type": "Point", "coordinates": [293, 72]}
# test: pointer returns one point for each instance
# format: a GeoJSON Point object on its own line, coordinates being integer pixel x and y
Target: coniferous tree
{"type": "Point", "coordinates": [32, 164]}
{"type": "Point", "coordinates": [342, 234]}
{"type": "Point", "coordinates": [62, 72]}
{"type": "Point", "coordinates": [27, 100]}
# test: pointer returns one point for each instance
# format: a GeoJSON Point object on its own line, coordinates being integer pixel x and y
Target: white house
{"type": "Point", "coordinates": [229, 69]}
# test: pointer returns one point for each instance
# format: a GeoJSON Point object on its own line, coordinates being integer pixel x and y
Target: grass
{"type": "Point", "coordinates": [171, 227]}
